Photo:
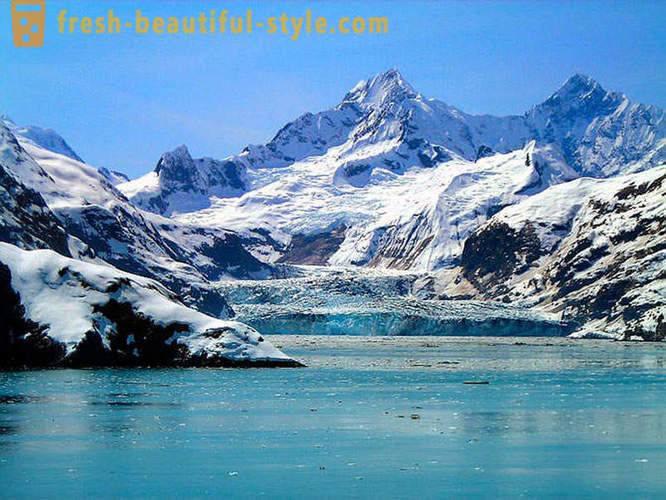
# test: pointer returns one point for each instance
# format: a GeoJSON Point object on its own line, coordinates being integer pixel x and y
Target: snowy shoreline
{"type": "Point", "coordinates": [65, 312]}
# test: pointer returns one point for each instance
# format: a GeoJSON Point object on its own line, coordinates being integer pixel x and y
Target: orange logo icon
{"type": "Point", "coordinates": [28, 22]}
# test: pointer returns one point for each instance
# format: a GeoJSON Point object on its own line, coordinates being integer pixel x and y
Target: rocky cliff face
{"type": "Point", "coordinates": [595, 253]}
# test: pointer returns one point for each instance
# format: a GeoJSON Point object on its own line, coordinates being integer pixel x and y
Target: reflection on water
{"type": "Point", "coordinates": [8, 429]}
{"type": "Point", "coordinates": [10, 399]}
{"type": "Point", "coordinates": [368, 418]}
{"type": "Point", "coordinates": [166, 404]}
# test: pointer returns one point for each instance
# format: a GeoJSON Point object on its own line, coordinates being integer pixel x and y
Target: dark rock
{"type": "Point", "coordinates": [25, 219]}
{"type": "Point", "coordinates": [495, 252]}
{"type": "Point", "coordinates": [314, 249]}
{"type": "Point", "coordinates": [23, 342]}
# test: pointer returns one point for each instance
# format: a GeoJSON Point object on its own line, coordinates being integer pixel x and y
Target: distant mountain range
{"type": "Point", "coordinates": [347, 167]}
{"type": "Point", "coordinates": [560, 209]}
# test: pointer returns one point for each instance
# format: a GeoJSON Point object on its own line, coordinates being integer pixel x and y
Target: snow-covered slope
{"type": "Point", "coordinates": [91, 209]}
{"type": "Point", "coordinates": [416, 220]}
{"type": "Point", "coordinates": [43, 137]}
{"type": "Point", "coordinates": [592, 250]}
{"type": "Point", "coordinates": [447, 205]}
{"type": "Point", "coordinates": [61, 311]}
{"type": "Point", "coordinates": [113, 177]}
{"type": "Point", "coordinates": [25, 219]}
{"type": "Point", "coordinates": [391, 178]}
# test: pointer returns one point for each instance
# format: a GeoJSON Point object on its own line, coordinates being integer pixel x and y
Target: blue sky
{"type": "Point", "coordinates": [121, 100]}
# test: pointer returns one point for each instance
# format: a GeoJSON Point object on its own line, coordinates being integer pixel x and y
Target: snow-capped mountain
{"type": "Point", "coordinates": [331, 180]}
{"type": "Point", "coordinates": [45, 138]}
{"type": "Point", "coordinates": [592, 250]}
{"type": "Point", "coordinates": [534, 210]}
{"type": "Point", "coordinates": [90, 209]}
{"type": "Point", "coordinates": [59, 311]}
{"type": "Point", "coordinates": [600, 133]}
{"type": "Point", "coordinates": [181, 183]}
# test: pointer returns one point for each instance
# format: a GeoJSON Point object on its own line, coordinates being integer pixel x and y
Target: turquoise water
{"type": "Point", "coordinates": [386, 418]}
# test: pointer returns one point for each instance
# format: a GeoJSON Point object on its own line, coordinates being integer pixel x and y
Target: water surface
{"type": "Point", "coordinates": [378, 417]}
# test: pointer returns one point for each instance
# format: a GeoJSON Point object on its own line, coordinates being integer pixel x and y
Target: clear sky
{"type": "Point", "coordinates": [121, 100]}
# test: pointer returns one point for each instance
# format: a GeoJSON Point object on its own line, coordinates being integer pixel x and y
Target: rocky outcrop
{"type": "Point", "coordinates": [64, 312]}
{"type": "Point", "coordinates": [593, 252]}
{"type": "Point", "coordinates": [25, 220]}
{"type": "Point", "coordinates": [22, 341]}
{"type": "Point", "coordinates": [498, 252]}
{"type": "Point", "coordinates": [314, 249]}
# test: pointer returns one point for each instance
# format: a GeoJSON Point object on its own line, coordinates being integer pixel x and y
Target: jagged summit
{"type": "Point", "coordinates": [579, 82]}
{"type": "Point", "coordinates": [578, 85]}
{"type": "Point", "coordinates": [191, 180]}
{"type": "Point", "coordinates": [579, 88]}
{"type": "Point", "coordinates": [172, 162]}
{"type": "Point", "coordinates": [389, 85]}
{"type": "Point", "coordinates": [181, 150]}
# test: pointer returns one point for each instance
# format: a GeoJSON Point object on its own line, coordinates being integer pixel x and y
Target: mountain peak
{"type": "Point", "coordinates": [392, 76]}
{"type": "Point", "coordinates": [389, 85]}
{"type": "Point", "coordinates": [579, 82]}
{"type": "Point", "coordinates": [177, 165]}
{"type": "Point", "coordinates": [181, 153]}
{"type": "Point", "coordinates": [45, 138]}
{"type": "Point", "coordinates": [578, 87]}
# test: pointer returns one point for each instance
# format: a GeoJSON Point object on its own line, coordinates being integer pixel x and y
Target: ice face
{"type": "Point", "coordinates": [326, 301]}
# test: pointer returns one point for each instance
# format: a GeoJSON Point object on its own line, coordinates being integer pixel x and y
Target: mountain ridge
{"type": "Point", "coordinates": [428, 131]}
{"type": "Point", "coordinates": [381, 135]}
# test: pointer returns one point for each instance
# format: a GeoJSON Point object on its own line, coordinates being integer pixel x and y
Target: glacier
{"type": "Point", "coordinates": [332, 301]}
